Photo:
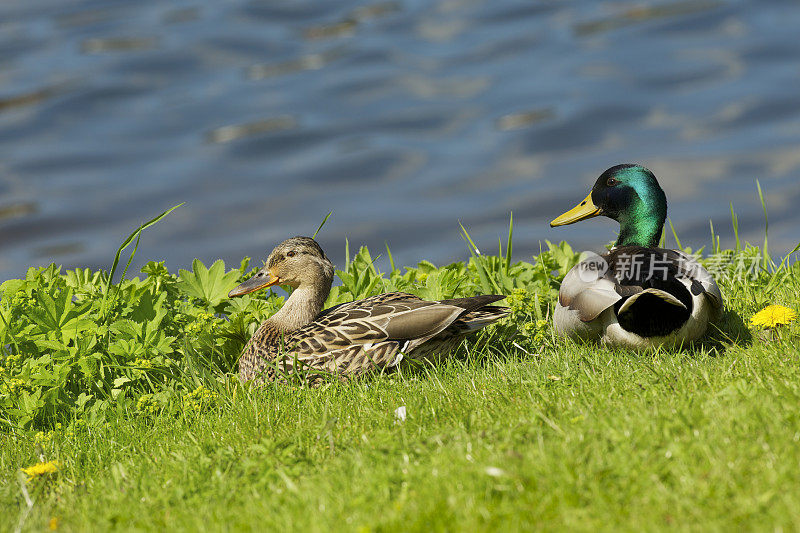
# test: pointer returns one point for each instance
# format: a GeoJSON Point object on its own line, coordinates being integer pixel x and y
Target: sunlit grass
{"type": "Point", "coordinates": [130, 389]}
{"type": "Point", "coordinates": [573, 437]}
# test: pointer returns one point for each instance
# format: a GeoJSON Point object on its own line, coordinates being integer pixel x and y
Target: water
{"type": "Point", "coordinates": [402, 117]}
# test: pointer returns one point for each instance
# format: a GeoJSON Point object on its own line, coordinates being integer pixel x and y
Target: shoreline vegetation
{"type": "Point", "coordinates": [121, 402]}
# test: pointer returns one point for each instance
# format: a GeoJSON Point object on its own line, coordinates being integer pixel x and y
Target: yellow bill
{"type": "Point", "coordinates": [585, 209]}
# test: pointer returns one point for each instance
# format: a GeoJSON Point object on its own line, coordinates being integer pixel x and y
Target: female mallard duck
{"type": "Point", "coordinates": [351, 338]}
{"type": "Point", "coordinates": [637, 294]}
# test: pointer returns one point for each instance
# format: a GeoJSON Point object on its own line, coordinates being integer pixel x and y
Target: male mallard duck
{"type": "Point", "coordinates": [354, 337]}
{"type": "Point", "coordinates": [637, 294]}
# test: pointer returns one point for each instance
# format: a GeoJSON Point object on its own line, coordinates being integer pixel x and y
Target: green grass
{"type": "Point", "coordinates": [583, 439]}
{"type": "Point", "coordinates": [518, 430]}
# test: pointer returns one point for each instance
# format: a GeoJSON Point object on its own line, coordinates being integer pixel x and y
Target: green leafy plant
{"type": "Point", "coordinates": [209, 285]}
{"type": "Point", "coordinates": [82, 345]}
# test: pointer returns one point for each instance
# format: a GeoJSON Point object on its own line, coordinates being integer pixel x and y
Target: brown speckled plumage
{"type": "Point", "coordinates": [353, 338]}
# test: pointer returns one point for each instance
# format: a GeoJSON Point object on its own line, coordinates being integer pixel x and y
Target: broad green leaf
{"type": "Point", "coordinates": [119, 382]}
{"type": "Point", "coordinates": [55, 312]}
{"type": "Point", "coordinates": [89, 364]}
{"type": "Point", "coordinates": [45, 344]}
{"type": "Point", "coordinates": [211, 285]}
{"type": "Point", "coordinates": [80, 402]}
{"type": "Point", "coordinates": [12, 286]}
{"type": "Point", "coordinates": [149, 310]}
{"type": "Point", "coordinates": [127, 328]}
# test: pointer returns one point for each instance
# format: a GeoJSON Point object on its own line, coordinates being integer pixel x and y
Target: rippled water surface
{"type": "Point", "coordinates": [402, 117]}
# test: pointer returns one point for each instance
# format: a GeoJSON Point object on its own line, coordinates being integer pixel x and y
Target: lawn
{"type": "Point", "coordinates": [518, 430]}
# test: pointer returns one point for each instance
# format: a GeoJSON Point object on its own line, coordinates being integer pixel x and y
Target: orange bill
{"type": "Point", "coordinates": [263, 278]}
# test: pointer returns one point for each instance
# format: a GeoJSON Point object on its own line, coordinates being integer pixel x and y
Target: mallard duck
{"type": "Point", "coordinates": [636, 295]}
{"type": "Point", "coordinates": [351, 338]}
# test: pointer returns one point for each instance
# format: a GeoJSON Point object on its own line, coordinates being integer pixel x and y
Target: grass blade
{"type": "Point", "coordinates": [713, 237]}
{"type": "Point", "coordinates": [391, 259]}
{"type": "Point", "coordinates": [124, 271]}
{"type": "Point", "coordinates": [766, 258]}
{"type": "Point", "coordinates": [675, 235]}
{"type": "Point", "coordinates": [508, 244]}
{"type": "Point", "coordinates": [125, 244]}
{"type": "Point", "coordinates": [130, 259]}
{"type": "Point", "coordinates": [487, 282]}
{"type": "Point", "coordinates": [324, 220]}
{"type": "Point", "coordinates": [735, 224]}
{"type": "Point", "coordinates": [785, 261]}
{"type": "Point", "coordinates": [465, 235]}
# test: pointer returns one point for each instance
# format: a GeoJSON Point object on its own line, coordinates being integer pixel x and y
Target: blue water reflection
{"type": "Point", "coordinates": [403, 117]}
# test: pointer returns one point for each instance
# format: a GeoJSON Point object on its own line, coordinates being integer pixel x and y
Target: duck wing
{"type": "Point", "coordinates": [637, 268]}
{"type": "Point", "coordinates": [657, 285]}
{"type": "Point", "coordinates": [374, 331]}
{"type": "Point", "coordinates": [369, 301]}
{"type": "Point", "coordinates": [660, 289]}
{"type": "Point", "coordinates": [702, 282]}
{"type": "Point", "coordinates": [589, 288]}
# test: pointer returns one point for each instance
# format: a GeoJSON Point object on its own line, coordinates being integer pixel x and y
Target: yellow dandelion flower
{"type": "Point", "coordinates": [773, 315]}
{"type": "Point", "coordinates": [40, 469]}
{"type": "Point", "coordinates": [53, 524]}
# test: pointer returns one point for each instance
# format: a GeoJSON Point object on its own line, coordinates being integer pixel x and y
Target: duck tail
{"type": "Point", "coordinates": [474, 302]}
{"type": "Point", "coordinates": [480, 318]}
{"type": "Point", "coordinates": [652, 313]}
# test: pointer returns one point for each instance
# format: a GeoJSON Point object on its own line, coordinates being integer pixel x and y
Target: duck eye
{"type": "Point", "coordinates": [291, 254]}
{"type": "Point", "coordinates": [611, 182]}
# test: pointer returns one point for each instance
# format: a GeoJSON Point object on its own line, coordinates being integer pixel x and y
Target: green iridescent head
{"type": "Point", "coordinates": [630, 195]}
